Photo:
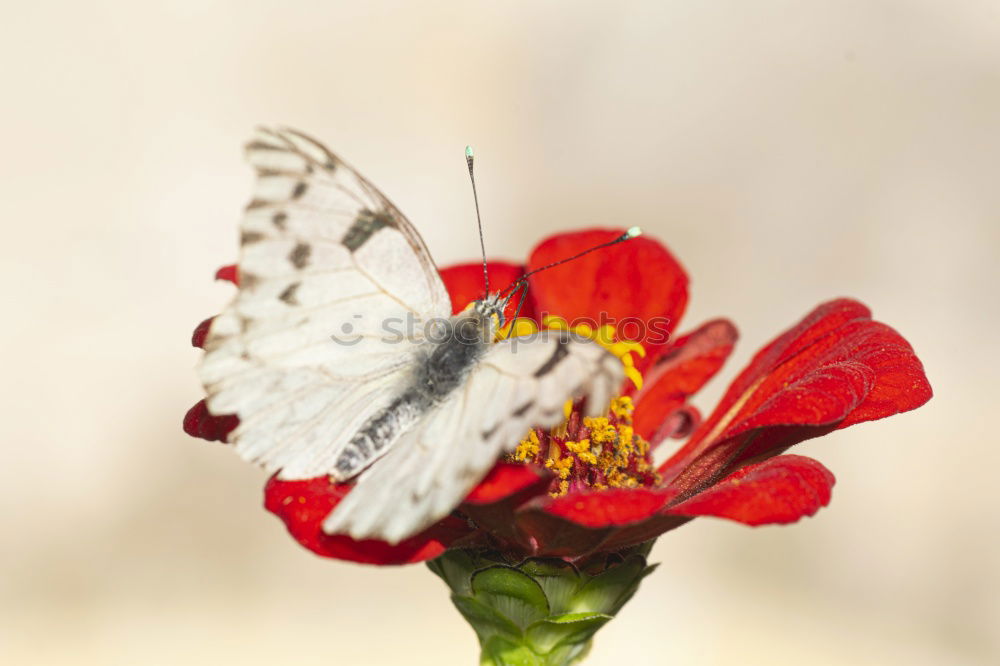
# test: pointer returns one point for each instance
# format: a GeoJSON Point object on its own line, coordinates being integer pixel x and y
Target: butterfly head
{"type": "Point", "coordinates": [491, 308]}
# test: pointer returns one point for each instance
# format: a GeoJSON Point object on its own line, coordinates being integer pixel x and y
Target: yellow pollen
{"type": "Point", "coordinates": [528, 448]}
{"type": "Point", "coordinates": [601, 430]}
{"type": "Point", "coordinates": [582, 451]}
{"type": "Point", "coordinates": [560, 466]}
{"type": "Point", "coordinates": [622, 407]}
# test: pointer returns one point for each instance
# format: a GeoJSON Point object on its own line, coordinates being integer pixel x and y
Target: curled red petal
{"type": "Point", "coordinates": [675, 420]}
{"type": "Point", "coordinates": [637, 286]}
{"type": "Point", "coordinates": [303, 505]}
{"type": "Point", "coordinates": [199, 422]}
{"type": "Point", "coordinates": [835, 368]}
{"type": "Point", "coordinates": [778, 490]}
{"type": "Point", "coordinates": [230, 273]}
{"type": "Point", "coordinates": [465, 284]}
{"type": "Point", "coordinates": [678, 373]}
{"type": "Point", "coordinates": [200, 333]}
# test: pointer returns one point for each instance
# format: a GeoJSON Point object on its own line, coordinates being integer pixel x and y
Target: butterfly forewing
{"type": "Point", "coordinates": [323, 255]}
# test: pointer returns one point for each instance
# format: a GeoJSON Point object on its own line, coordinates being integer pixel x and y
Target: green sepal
{"type": "Point", "coordinates": [454, 570]}
{"type": "Point", "coordinates": [499, 651]}
{"type": "Point", "coordinates": [511, 592]}
{"type": "Point", "coordinates": [557, 631]}
{"type": "Point", "coordinates": [486, 621]}
{"type": "Point", "coordinates": [608, 591]}
{"type": "Point", "coordinates": [559, 580]}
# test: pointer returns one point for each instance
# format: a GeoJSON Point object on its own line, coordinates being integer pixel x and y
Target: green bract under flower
{"type": "Point", "coordinates": [539, 611]}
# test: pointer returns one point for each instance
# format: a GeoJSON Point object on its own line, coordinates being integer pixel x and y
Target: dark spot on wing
{"type": "Point", "coordinates": [488, 434]}
{"type": "Point", "coordinates": [288, 295]}
{"type": "Point", "coordinates": [248, 280]}
{"type": "Point", "coordinates": [261, 145]}
{"type": "Point", "coordinates": [280, 220]}
{"type": "Point", "coordinates": [300, 189]}
{"type": "Point", "coordinates": [248, 237]}
{"type": "Point", "coordinates": [561, 351]}
{"type": "Point", "coordinates": [300, 255]}
{"type": "Point", "coordinates": [365, 226]}
{"type": "Point", "coordinates": [523, 409]}
{"type": "Point", "coordinates": [267, 172]}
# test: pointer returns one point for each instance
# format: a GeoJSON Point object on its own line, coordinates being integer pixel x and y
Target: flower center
{"type": "Point", "coordinates": [591, 453]}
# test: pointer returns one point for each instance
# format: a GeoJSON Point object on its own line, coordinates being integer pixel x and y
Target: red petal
{"type": "Point", "coordinates": [493, 503]}
{"type": "Point", "coordinates": [198, 422]}
{"type": "Point", "coordinates": [200, 332]}
{"type": "Point", "coordinates": [637, 286]}
{"type": "Point", "coordinates": [303, 505]}
{"type": "Point", "coordinates": [506, 479]}
{"type": "Point", "coordinates": [229, 273]}
{"type": "Point", "coordinates": [605, 508]}
{"type": "Point", "coordinates": [835, 368]}
{"type": "Point", "coordinates": [465, 284]}
{"type": "Point", "coordinates": [580, 523]}
{"type": "Point", "coordinates": [778, 490]}
{"type": "Point", "coordinates": [676, 374]}
{"type": "Point", "coordinates": [637, 533]}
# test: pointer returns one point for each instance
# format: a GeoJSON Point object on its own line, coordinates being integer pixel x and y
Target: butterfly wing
{"type": "Point", "coordinates": [323, 254]}
{"type": "Point", "coordinates": [520, 383]}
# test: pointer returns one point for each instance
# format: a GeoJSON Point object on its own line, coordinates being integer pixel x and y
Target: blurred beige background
{"type": "Point", "coordinates": [788, 152]}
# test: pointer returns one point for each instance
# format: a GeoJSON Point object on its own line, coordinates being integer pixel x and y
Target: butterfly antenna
{"type": "Point", "coordinates": [628, 235]}
{"type": "Point", "coordinates": [469, 157]}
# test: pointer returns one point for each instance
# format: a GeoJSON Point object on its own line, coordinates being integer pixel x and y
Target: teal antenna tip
{"type": "Point", "coordinates": [468, 152]}
{"type": "Point", "coordinates": [633, 232]}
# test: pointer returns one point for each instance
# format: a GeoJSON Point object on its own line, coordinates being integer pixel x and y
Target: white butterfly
{"type": "Point", "coordinates": [416, 420]}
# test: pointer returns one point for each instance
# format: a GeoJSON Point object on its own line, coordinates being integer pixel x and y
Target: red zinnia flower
{"type": "Point", "coordinates": [590, 486]}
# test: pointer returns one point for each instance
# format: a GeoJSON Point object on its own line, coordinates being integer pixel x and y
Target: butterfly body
{"type": "Point", "coordinates": [438, 371]}
{"type": "Point", "coordinates": [415, 420]}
